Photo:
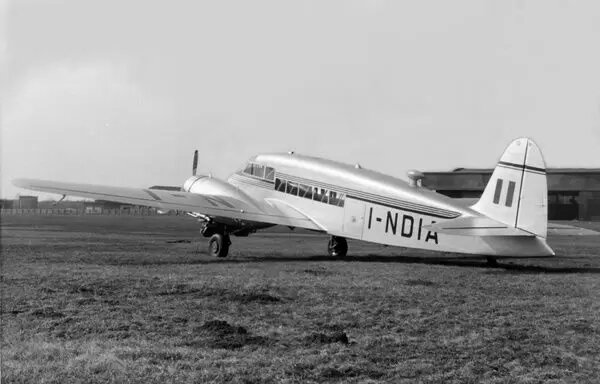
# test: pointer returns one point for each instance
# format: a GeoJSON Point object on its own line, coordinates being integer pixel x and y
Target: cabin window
{"type": "Point", "coordinates": [248, 169]}
{"type": "Point", "coordinates": [270, 173]}
{"type": "Point", "coordinates": [333, 199]}
{"type": "Point", "coordinates": [280, 185]}
{"type": "Point", "coordinates": [341, 199]}
{"type": "Point", "coordinates": [317, 194]}
{"type": "Point", "coordinates": [320, 195]}
{"type": "Point", "coordinates": [324, 196]}
{"type": "Point", "coordinates": [305, 191]}
{"type": "Point", "coordinates": [292, 188]}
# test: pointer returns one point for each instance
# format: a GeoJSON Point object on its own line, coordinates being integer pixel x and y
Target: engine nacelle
{"type": "Point", "coordinates": [206, 185]}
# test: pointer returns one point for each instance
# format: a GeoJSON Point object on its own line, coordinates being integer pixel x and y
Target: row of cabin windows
{"type": "Point", "coordinates": [257, 170]}
{"type": "Point", "coordinates": [309, 192]}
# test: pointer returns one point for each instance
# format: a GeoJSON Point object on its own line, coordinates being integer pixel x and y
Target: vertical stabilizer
{"type": "Point", "coordinates": [517, 192]}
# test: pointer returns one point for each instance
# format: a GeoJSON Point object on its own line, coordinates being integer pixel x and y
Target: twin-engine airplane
{"type": "Point", "coordinates": [349, 202]}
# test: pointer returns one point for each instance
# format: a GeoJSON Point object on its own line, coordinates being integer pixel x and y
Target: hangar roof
{"type": "Point", "coordinates": [548, 170]}
{"type": "Point", "coordinates": [473, 179]}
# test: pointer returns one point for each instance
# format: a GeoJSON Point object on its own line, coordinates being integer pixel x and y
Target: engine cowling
{"type": "Point", "coordinates": [207, 185]}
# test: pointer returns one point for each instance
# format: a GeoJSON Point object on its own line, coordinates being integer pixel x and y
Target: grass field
{"type": "Point", "coordinates": [131, 299]}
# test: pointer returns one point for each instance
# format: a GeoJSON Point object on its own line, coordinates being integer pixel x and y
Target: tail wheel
{"type": "Point", "coordinates": [218, 245]}
{"type": "Point", "coordinates": [337, 247]}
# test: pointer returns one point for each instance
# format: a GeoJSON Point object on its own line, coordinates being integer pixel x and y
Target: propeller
{"type": "Point", "coordinates": [195, 163]}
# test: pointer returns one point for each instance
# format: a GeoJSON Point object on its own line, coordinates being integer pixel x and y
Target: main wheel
{"type": "Point", "coordinates": [337, 247]}
{"type": "Point", "coordinates": [218, 245]}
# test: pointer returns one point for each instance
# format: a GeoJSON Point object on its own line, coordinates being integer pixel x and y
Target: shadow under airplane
{"type": "Point", "coordinates": [455, 261]}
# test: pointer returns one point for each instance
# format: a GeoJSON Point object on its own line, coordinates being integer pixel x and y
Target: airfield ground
{"type": "Point", "coordinates": [128, 299]}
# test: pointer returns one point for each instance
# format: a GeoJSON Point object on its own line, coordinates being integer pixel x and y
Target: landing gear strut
{"type": "Point", "coordinates": [218, 245]}
{"type": "Point", "coordinates": [337, 247]}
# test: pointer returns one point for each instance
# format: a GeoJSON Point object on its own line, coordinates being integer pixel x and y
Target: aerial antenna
{"type": "Point", "coordinates": [195, 163]}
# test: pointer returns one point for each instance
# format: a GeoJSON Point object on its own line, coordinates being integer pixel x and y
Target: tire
{"type": "Point", "coordinates": [337, 247]}
{"type": "Point", "coordinates": [218, 245]}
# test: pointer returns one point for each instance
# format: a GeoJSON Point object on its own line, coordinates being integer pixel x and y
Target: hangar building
{"type": "Point", "coordinates": [27, 202]}
{"type": "Point", "coordinates": [573, 193]}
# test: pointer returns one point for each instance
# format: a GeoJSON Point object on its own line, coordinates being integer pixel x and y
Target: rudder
{"type": "Point", "coordinates": [517, 192]}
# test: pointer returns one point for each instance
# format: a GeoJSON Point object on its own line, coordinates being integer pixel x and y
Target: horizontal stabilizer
{"type": "Point", "coordinates": [476, 226]}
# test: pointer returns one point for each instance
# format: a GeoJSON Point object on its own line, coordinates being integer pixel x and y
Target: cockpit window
{"type": "Point", "coordinates": [258, 171]}
{"type": "Point", "coordinates": [261, 171]}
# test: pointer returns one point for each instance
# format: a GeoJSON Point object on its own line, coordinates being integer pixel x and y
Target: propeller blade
{"type": "Point", "coordinates": [195, 164]}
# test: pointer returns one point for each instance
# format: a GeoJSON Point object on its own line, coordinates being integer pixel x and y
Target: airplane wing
{"type": "Point", "coordinates": [210, 205]}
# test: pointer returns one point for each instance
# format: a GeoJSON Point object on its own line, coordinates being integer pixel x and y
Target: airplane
{"type": "Point", "coordinates": [350, 202]}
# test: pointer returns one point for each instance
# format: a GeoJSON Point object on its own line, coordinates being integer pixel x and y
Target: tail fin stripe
{"type": "Point", "coordinates": [510, 194]}
{"type": "Point", "coordinates": [498, 191]}
{"type": "Point", "coordinates": [513, 165]}
{"type": "Point", "coordinates": [535, 169]}
{"type": "Point", "coordinates": [521, 167]}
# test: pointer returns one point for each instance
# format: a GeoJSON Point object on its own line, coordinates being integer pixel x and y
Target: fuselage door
{"type": "Point", "coordinates": [354, 218]}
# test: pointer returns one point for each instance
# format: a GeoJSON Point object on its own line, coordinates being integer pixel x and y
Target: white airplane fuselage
{"type": "Point", "coordinates": [369, 206]}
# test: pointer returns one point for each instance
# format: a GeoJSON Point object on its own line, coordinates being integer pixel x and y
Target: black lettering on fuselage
{"type": "Point", "coordinates": [390, 223]}
{"type": "Point", "coordinates": [431, 236]}
{"type": "Point", "coordinates": [407, 229]}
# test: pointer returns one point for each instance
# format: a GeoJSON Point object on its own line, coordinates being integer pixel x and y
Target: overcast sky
{"type": "Point", "coordinates": [122, 92]}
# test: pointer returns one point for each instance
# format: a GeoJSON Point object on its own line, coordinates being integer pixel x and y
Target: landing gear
{"type": "Point", "coordinates": [218, 245]}
{"type": "Point", "coordinates": [218, 234]}
{"type": "Point", "coordinates": [219, 242]}
{"type": "Point", "coordinates": [337, 247]}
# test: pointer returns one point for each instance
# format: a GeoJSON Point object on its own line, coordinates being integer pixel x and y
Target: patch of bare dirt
{"type": "Point", "coordinates": [220, 334]}
{"type": "Point", "coordinates": [322, 338]}
{"type": "Point", "coordinates": [255, 297]}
